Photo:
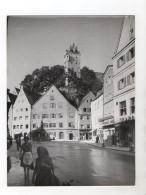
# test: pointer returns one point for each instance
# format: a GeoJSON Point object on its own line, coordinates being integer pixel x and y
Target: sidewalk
{"type": "Point", "coordinates": [126, 150]}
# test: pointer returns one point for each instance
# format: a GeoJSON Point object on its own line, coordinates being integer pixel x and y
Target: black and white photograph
{"type": "Point", "coordinates": [71, 100]}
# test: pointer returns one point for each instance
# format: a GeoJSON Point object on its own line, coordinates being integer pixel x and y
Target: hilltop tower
{"type": "Point", "coordinates": [72, 60]}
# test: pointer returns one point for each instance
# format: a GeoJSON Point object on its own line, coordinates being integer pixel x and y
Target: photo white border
{"type": "Point", "coordinates": [85, 7]}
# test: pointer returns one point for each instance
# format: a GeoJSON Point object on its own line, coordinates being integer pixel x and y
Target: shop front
{"type": "Point", "coordinates": [125, 133]}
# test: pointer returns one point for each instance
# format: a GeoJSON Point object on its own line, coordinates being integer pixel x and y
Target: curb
{"type": "Point", "coordinates": [130, 152]}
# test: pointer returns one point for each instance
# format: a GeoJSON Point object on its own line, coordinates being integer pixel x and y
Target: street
{"type": "Point", "coordinates": [78, 164]}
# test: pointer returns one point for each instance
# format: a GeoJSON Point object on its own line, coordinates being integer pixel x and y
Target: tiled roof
{"type": "Point", "coordinates": [17, 90]}
{"type": "Point", "coordinates": [31, 96]}
{"type": "Point", "coordinates": [12, 98]}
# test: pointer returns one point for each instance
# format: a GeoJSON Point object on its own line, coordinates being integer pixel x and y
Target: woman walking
{"type": "Point", "coordinates": [26, 156]}
{"type": "Point", "coordinates": [44, 171]}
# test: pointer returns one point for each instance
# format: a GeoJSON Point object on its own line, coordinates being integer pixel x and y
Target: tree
{"type": "Point", "coordinates": [41, 79]}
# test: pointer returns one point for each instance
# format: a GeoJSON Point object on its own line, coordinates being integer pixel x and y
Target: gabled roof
{"type": "Point", "coordinates": [63, 94]}
{"type": "Point", "coordinates": [124, 36]}
{"type": "Point", "coordinates": [84, 98]}
{"type": "Point", "coordinates": [17, 90]}
{"type": "Point", "coordinates": [31, 96]}
{"type": "Point", "coordinates": [109, 66]}
{"type": "Point", "coordinates": [12, 98]}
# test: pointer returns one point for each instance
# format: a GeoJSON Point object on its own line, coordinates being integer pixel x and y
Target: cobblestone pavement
{"type": "Point", "coordinates": [79, 164]}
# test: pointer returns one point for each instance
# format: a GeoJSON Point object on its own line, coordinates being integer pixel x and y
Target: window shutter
{"type": "Point", "coordinates": [118, 85]}
{"type": "Point", "coordinates": [124, 59]}
{"type": "Point", "coordinates": [127, 56]}
{"type": "Point", "coordinates": [128, 80]}
{"type": "Point", "coordinates": [125, 82]}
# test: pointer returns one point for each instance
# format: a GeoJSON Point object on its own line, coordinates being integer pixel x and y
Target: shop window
{"type": "Point", "coordinates": [131, 78]}
{"type": "Point", "coordinates": [132, 105]}
{"type": "Point", "coordinates": [123, 110]}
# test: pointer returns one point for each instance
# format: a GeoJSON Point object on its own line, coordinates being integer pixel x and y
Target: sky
{"type": "Point", "coordinates": [36, 41]}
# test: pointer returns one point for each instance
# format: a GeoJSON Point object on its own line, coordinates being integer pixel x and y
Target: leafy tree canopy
{"type": "Point", "coordinates": [41, 79]}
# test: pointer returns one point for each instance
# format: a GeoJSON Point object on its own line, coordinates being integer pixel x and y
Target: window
{"type": "Point", "coordinates": [60, 115]}
{"type": "Point", "coordinates": [36, 116]}
{"type": "Point", "coordinates": [26, 109]}
{"type": "Point", "coordinates": [60, 105]}
{"type": "Point", "coordinates": [14, 126]}
{"type": "Point", "coordinates": [44, 105]}
{"type": "Point", "coordinates": [122, 83]}
{"type": "Point", "coordinates": [88, 126]}
{"type": "Point", "coordinates": [121, 61]}
{"type": "Point", "coordinates": [88, 109]}
{"type": "Point", "coordinates": [21, 109]}
{"type": "Point", "coordinates": [60, 124]}
{"type": "Point", "coordinates": [20, 117]}
{"type": "Point", "coordinates": [52, 125]}
{"type": "Point", "coordinates": [131, 78]}
{"type": "Point", "coordinates": [15, 118]}
{"type": "Point", "coordinates": [130, 54]}
{"type": "Point", "coordinates": [51, 97]}
{"type": "Point", "coordinates": [88, 117]}
{"type": "Point", "coordinates": [84, 109]}
{"type": "Point", "coordinates": [132, 105]}
{"type": "Point", "coordinates": [26, 117]}
{"type": "Point", "coordinates": [52, 105]}
{"type": "Point", "coordinates": [81, 117]}
{"type": "Point", "coordinates": [34, 125]}
{"type": "Point", "coordinates": [26, 126]}
{"type": "Point", "coordinates": [21, 126]}
{"type": "Point", "coordinates": [71, 125]}
{"type": "Point", "coordinates": [44, 115]}
{"type": "Point", "coordinates": [82, 126]}
{"type": "Point", "coordinates": [17, 126]}
{"type": "Point", "coordinates": [45, 125]}
{"type": "Point", "coordinates": [71, 115]}
{"type": "Point", "coordinates": [123, 108]}
{"type": "Point", "coordinates": [52, 115]}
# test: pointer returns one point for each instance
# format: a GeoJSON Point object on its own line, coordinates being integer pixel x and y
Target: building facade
{"type": "Point", "coordinates": [124, 84]}
{"type": "Point", "coordinates": [108, 107]}
{"type": "Point", "coordinates": [84, 117]}
{"type": "Point", "coordinates": [20, 113]}
{"type": "Point", "coordinates": [58, 115]}
{"type": "Point", "coordinates": [96, 115]}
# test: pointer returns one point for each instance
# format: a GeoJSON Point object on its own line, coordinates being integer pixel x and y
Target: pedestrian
{"type": "Point", "coordinates": [43, 171]}
{"type": "Point", "coordinates": [26, 156]}
{"type": "Point", "coordinates": [97, 139]}
{"type": "Point", "coordinates": [18, 143]}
